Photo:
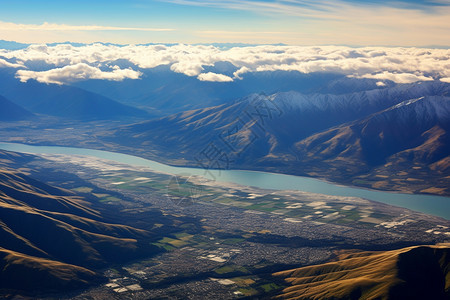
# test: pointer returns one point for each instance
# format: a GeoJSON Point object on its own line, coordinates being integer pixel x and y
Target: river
{"type": "Point", "coordinates": [434, 205]}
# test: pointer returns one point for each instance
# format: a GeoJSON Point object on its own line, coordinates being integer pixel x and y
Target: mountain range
{"type": "Point", "coordinates": [369, 138]}
{"type": "Point", "coordinates": [11, 45]}
{"type": "Point", "coordinates": [163, 92]}
{"type": "Point", "coordinates": [391, 137]}
{"type": "Point", "coordinates": [409, 141]}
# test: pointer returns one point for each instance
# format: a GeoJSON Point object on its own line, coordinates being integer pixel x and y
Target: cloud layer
{"type": "Point", "coordinates": [64, 27]}
{"type": "Point", "coordinates": [66, 63]}
{"type": "Point", "coordinates": [400, 22]}
{"type": "Point", "coordinates": [80, 71]}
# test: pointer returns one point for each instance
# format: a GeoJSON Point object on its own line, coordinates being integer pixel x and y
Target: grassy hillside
{"type": "Point", "coordinates": [419, 272]}
{"type": "Point", "coordinates": [54, 235]}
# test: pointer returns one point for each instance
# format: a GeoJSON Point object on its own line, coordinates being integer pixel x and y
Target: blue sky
{"type": "Point", "coordinates": [297, 22]}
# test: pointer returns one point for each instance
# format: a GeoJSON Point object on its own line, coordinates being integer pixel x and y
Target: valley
{"type": "Point", "coordinates": [217, 240]}
{"type": "Point", "coordinates": [333, 139]}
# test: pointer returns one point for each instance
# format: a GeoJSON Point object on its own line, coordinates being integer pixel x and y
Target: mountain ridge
{"type": "Point", "coordinates": [10, 111]}
{"type": "Point", "coordinates": [418, 272]}
{"type": "Point", "coordinates": [64, 101]}
{"type": "Point", "coordinates": [274, 133]}
{"type": "Point", "coordinates": [56, 238]}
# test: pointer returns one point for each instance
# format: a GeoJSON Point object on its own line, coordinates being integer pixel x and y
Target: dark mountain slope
{"type": "Point", "coordinates": [64, 101]}
{"type": "Point", "coordinates": [30, 274]}
{"type": "Point", "coordinates": [74, 103]}
{"type": "Point", "coordinates": [12, 112]}
{"type": "Point", "coordinates": [36, 216]}
{"type": "Point", "coordinates": [411, 137]}
{"type": "Point", "coordinates": [46, 232]}
{"type": "Point", "coordinates": [420, 272]}
{"type": "Point", "coordinates": [288, 117]}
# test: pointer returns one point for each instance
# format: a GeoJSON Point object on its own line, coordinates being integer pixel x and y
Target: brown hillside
{"type": "Point", "coordinates": [419, 272]}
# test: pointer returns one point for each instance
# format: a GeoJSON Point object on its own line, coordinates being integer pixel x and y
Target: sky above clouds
{"type": "Point", "coordinates": [417, 23]}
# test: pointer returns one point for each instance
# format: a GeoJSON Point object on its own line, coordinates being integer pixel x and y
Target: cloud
{"type": "Point", "coordinates": [6, 26]}
{"type": "Point", "coordinates": [240, 72]}
{"type": "Point", "coordinates": [318, 9]}
{"type": "Point", "coordinates": [6, 64]}
{"type": "Point", "coordinates": [290, 8]}
{"type": "Point", "coordinates": [296, 22]}
{"type": "Point", "coordinates": [336, 22]}
{"type": "Point", "coordinates": [76, 72]}
{"type": "Point", "coordinates": [237, 33]}
{"type": "Point", "coordinates": [210, 76]}
{"type": "Point", "coordinates": [398, 77]}
{"type": "Point", "coordinates": [66, 62]}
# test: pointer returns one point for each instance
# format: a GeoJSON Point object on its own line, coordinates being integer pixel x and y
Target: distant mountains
{"type": "Point", "coordinates": [10, 45]}
{"type": "Point", "coordinates": [288, 116]}
{"type": "Point", "coordinates": [12, 112]}
{"type": "Point", "coordinates": [412, 137]}
{"type": "Point", "coordinates": [420, 272]}
{"type": "Point", "coordinates": [73, 103]}
{"type": "Point", "coordinates": [52, 239]}
{"type": "Point", "coordinates": [164, 92]}
{"type": "Point", "coordinates": [161, 91]}
{"type": "Point", "coordinates": [347, 130]}
{"type": "Point", "coordinates": [64, 101]}
{"type": "Point", "coordinates": [412, 124]}
{"type": "Point", "coordinates": [349, 138]}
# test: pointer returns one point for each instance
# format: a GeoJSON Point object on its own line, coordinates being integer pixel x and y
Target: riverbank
{"type": "Point", "coordinates": [436, 205]}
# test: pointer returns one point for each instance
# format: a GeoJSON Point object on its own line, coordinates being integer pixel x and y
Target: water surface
{"type": "Point", "coordinates": [434, 205]}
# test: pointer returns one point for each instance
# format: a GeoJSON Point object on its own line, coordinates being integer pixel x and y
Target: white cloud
{"type": "Point", "coordinates": [398, 77]}
{"type": "Point", "coordinates": [7, 26]}
{"type": "Point", "coordinates": [6, 64]}
{"type": "Point", "coordinates": [383, 63]}
{"type": "Point", "coordinates": [240, 72]}
{"type": "Point", "coordinates": [210, 76]}
{"type": "Point", "coordinates": [339, 10]}
{"type": "Point", "coordinates": [76, 72]}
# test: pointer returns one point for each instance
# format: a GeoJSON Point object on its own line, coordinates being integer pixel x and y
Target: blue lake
{"type": "Point", "coordinates": [434, 205]}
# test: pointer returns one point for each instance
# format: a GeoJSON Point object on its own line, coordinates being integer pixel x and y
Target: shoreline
{"type": "Point", "coordinates": [187, 165]}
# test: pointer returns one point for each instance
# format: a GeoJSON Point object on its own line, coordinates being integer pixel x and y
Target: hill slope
{"type": "Point", "coordinates": [47, 231]}
{"type": "Point", "coordinates": [27, 273]}
{"type": "Point", "coordinates": [64, 101]}
{"type": "Point", "coordinates": [419, 272]}
{"type": "Point", "coordinates": [412, 137]}
{"type": "Point", "coordinates": [12, 112]}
